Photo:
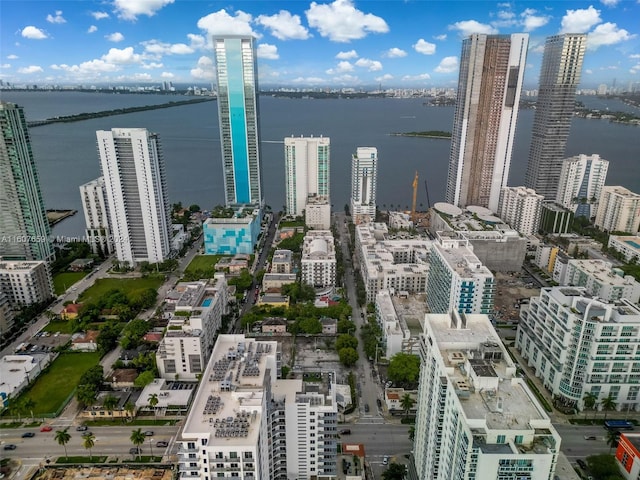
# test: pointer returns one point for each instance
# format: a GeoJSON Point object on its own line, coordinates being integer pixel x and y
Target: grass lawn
{"type": "Point", "coordinates": [63, 326]}
{"type": "Point", "coordinates": [62, 281]}
{"type": "Point", "coordinates": [146, 459]}
{"type": "Point", "coordinates": [127, 285]}
{"type": "Point", "coordinates": [53, 387]}
{"type": "Point", "coordinates": [73, 460]}
{"type": "Point", "coordinates": [202, 262]}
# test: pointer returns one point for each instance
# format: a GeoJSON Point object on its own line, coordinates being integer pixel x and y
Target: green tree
{"type": "Point", "coordinates": [109, 404]}
{"type": "Point", "coordinates": [612, 438]}
{"type": "Point", "coordinates": [603, 467]}
{"type": "Point", "coordinates": [137, 438]}
{"type": "Point", "coordinates": [153, 403]}
{"type": "Point", "coordinates": [130, 408]}
{"type": "Point", "coordinates": [16, 407]}
{"type": "Point", "coordinates": [144, 379]}
{"type": "Point", "coordinates": [406, 402]}
{"type": "Point", "coordinates": [344, 326]}
{"type": "Point", "coordinates": [88, 442]}
{"type": "Point", "coordinates": [108, 337]}
{"type": "Point", "coordinates": [63, 437]}
{"type": "Point", "coordinates": [346, 341]}
{"type": "Point", "coordinates": [412, 432]}
{"type": "Point", "coordinates": [86, 395]}
{"type": "Point", "coordinates": [608, 404]}
{"type": "Point", "coordinates": [590, 399]}
{"type": "Point", "coordinates": [194, 208]}
{"type": "Point", "coordinates": [404, 368]}
{"type": "Point", "coordinates": [310, 325]}
{"type": "Point", "coordinates": [396, 471]}
{"type": "Point", "coordinates": [29, 405]}
{"type": "Point", "coordinates": [348, 356]}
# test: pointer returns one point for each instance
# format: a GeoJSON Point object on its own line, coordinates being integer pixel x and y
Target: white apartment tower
{"type": "Point", "coordinates": [96, 216]}
{"type": "Point", "coordinates": [579, 344]}
{"type": "Point", "coordinates": [476, 418]}
{"type": "Point", "coordinates": [364, 175]}
{"type": "Point", "coordinates": [25, 282]}
{"type": "Point", "coordinates": [582, 179]}
{"type": "Point", "coordinates": [318, 262]}
{"type": "Point", "coordinates": [618, 210]}
{"type": "Point", "coordinates": [136, 190]}
{"type": "Point", "coordinates": [306, 162]}
{"type": "Point", "coordinates": [520, 207]}
{"type": "Point", "coordinates": [484, 125]}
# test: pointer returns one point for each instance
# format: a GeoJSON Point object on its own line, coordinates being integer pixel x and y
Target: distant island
{"type": "Point", "coordinates": [118, 111]}
{"type": "Point", "coordinates": [427, 134]}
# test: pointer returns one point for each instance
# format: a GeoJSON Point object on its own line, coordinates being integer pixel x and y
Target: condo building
{"type": "Point", "coordinates": [520, 207]}
{"type": "Point", "coordinates": [24, 227]}
{"type": "Point", "coordinates": [476, 418]}
{"type": "Point", "coordinates": [136, 192]}
{"type": "Point", "coordinates": [458, 281]}
{"type": "Point", "coordinates": [618, 210]}
{"type": "Point", "coordinates": [96, 217]}
{"type": "Point", "coordinates": [581, 345]}
{"type": "Point", "coordinates": [600, 280]}
{"type": "Point", "coordinates": [489, 85]}
{"type": "Point", "coordinates": [6, 315]}
{"type": "Point", "coordinates": [400, 316]}
{"type": "Point", "coordinates": [306, 162]}
{"type": "Point", "coordinates": [559, 78]}
{"type": "Point", "coordinates": [25, 283]}
{"type": "Point", "coordinates": [364, 184]}
{"type": "Point", "coordinates": [627, 245]}
{"type": "Point", "coordinates": [582, 179]}
{"type": "Point", "coordinates": [238, 116]}
{"type": "Point", "coordinates": [318, 262]}
{"type": "Point", "coordinates": [230, 236]}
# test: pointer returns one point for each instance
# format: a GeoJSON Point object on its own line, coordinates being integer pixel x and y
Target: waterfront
{"type": "Point", "coordinates": [66, 154]}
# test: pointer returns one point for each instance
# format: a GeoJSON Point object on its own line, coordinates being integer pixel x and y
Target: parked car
{"type": "Point", "coordinates": [86, 433]}
{"type": "Point", "coordinates": [385, 460]}
{"type": "Point", "coordinates": [162, 444]}
{"type": "Point", "coordinates": [46, 428]}
{"type": "Point", "coordinates": [9, 446]}
{"type": "Point", "coordinates": [148, 433]}
{"type": "Point", "coordinates": [81, 428]}
{"type": "Point", "coordinates": [28, 435]}
{"type": "Point", "coordinates": [581, 463]}
{"type": "Point", "coordinates": [345, 431]}
{"type": "Point", "coordinates": [590, 437]}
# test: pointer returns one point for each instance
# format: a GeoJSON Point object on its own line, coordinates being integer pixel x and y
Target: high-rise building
{"type": "Point", "coordinates": [25, 282]}
{"type": "Point", "coordinates": [581, 181]}
{"type": "Point", "coordinates": [318, 263]}
{"type": "Point", "coordinates": [364, 175]}
{"type": "Point", "coordinates": [484, 125]}
{"type": "Point", "coordinates": [24, 227]}
{"type": "Point", "coordinates": [238, 116]}
{"type": "Point", "coordinates": [578, 344]}
{"type": "Point", "coordinates": [476, 418]}
{"type": "Point", "coordinates": [559, 78]}
{"type": "Point", "coordinates": [306, 162]}
{"type": "Point", "coordinates": [618, 210]}
{"type": "Point", "coordinates": [96, 216]}
{"type": "Point", "coordinates": [457, 280]}
{"type": "Point", "coordinates": [520, 207]}
{"type": "Point", "coordinates": [136, 190]}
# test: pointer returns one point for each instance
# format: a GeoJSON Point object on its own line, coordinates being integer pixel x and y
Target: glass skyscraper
{"type": "Point", "coordinates": [24, 228]}
{"type": "Point", "coordinates": [237, 77]}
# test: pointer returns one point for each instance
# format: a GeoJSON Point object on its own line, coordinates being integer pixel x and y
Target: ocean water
{"type": "Point", "coordinates": [67, 156]}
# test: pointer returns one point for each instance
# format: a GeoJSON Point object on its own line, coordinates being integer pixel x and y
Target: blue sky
{"type": "Point", "coordinates": [413, 43]}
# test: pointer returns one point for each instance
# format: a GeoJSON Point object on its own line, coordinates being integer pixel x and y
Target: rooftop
{"type": "Point", "coordinates": [603, 272]}
{"type": "Point", "coordinates": [460, 257]}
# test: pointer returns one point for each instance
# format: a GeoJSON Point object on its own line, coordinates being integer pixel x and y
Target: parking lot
{"type": "Point", "coordinates": [43, 342]}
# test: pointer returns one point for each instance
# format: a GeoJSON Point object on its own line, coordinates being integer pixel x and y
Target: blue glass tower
{"type": "Point", "coordinates": [237, 77]}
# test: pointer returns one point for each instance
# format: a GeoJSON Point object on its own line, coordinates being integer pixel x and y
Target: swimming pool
{"type": "Point", "coordinates": [632, 243]}
{"type": "Point", "coordinates": [206, 302]}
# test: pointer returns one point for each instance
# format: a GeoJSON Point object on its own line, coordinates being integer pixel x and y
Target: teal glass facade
{"type": "Point", "coordinates": [228, 237]}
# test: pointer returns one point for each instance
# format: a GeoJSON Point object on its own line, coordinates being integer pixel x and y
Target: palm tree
{"type": "Point", "coordinates": [109, 404]}
{"type": "Point", "coordinates": [412, 432]}
{"type": "Point", "coordinates": [63, 437]}
{"type": "Point", "coordinates": [153, 402]}
{"type": "Point", "coordinates": [406, 402]}
{"type": "Point", "coordinates": [29, 404]}
{"type": "Point", "coordinates": [590, 399]}
{"type": "Point", "coordinates": [88, 441]}
{"type": "Point", "coordinates": [130, 408]}
{"type": "Point", "coordinates": [608, 404]}
{"type": "Point", "coordinates": [15, 408]}
{"type": "Point", "coordinates": [137, 438]}
{"type": "Point", "coordinates": [612, 439]}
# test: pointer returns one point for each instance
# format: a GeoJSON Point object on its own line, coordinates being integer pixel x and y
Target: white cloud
{"type": "Point", "coordinates": [441, 38]}
{"type": "Point", "coordinates": [99, 15]}
{"type": "Point", "coordinates": [395, 53]}
{"type": "Point", "coordinates": [580, 20]}
{"type": "Point", "coordinates": [371, 65]}
{"type": "Point", "coordinates": [447, 65]}
{"type": "Point", "coordinates": [284, 26]}
{"type": "Point", "coordinates": [588, 71]}
{"type": "Point", "coordinates": [92, 29]}
{"type": "Point", "coordinates": [30, 69]}
{"type": "Point", "coordinates": [506, 18]}
{"type": "Point", "coordinates": [92, 68]}
{"type": "Point", "coordinates": [340, 21]}
{"type": "Point", "coordinates": [157, 48]}
{"type": "Point", "coordinates": [15, 57]}
{"type": "Point", "coordinates": [610, 3]}
{"type": "Point", "coordinates": [122, 56]}
{"type": "Point", "coordinates": [531, 21]}
{"type": "Point", "coordinates": [268, 52]}
{"type": "Point", "coordinates": [346, 79]}
{"type": "Point", "coordinates": [114, 37]}
{"type": "Point", "coordinates": [5, 65]}
{"type": "Point", "coordinates": [347, 55]}
{"type": "Point", "coordinates": [57, 18]}
{"type": "Point", "coordinates": [167, 75]}
{"type": "Point", "coordinates": [197, 41]}
{"type": "Point", "coordinates": [221, 22]}
{"type": "Point", "coordinates": [33, 33]}
{"type": "Point", "coordinates": [342, 67]}
{"type": "Point", "coordinates": [142, 76]}
{"type": "Point", "coordinates": [308, 80]}
{"type": "Point", "coordinates": [204, 70]}
{"type": "Point", "coordinates": [635, 55]}
{"type": "Point", "coordinates": [384, 78]}
{"type": "Point", "coordinates": [635, 69]}
{"type": "Point", "coordinates": [469, 27]}
{"type": "Point", "coordinates": [419, 77]}
{"type": "Point", "coordinates": [131, 9]}
{"type": "Point", "coordinates": [149, 66]}
{"type": "Point", "coordinates": [424, 47]}
{"type": "Point", "coordinates": [607, 34]}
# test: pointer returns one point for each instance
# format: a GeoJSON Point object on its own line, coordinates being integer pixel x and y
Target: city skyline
{"type": "Point", "coordinates": [339, 43]}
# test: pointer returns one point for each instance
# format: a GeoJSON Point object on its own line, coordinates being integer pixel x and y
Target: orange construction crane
{"type": "Point", "coordinates": [415, 197]}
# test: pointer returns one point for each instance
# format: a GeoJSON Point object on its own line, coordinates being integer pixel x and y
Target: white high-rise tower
{"type": "Point", "coordinates": [306, 161]}
{"type": "Point", "coordinates": [135, 186]}
{"type": "Point", "coordinates": [364, 173]}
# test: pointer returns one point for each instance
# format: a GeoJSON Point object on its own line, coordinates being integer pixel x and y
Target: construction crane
{"type": "Point", "coordinates": [415, 197]}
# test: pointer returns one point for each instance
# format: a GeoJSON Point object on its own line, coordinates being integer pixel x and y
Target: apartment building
{"type": "Point", "coordinates": [582, 179]}
{"type": "Point", "coordinates": [476, 419]}
{"type": "Point", "coordinates": [6, 314]}
{"type": "Point", "coordinates": [319, 259]}
{"type": "Point", "coordinates": [317, 214]}
{"type": "Point", "coordinates": [364, 184]}
{"type": "Point", "coordinates": [579, 344]}
{"type": "Point", "coordinates": [282, 261]}
{"type": "Point", "coordinates": [25, 283]}
{"type": "Point", "coordinates": [307, 172]}
{"type": "Point", "coordinates": [96, 217]}
{"type": "Point", "coordinates": [400, 317]}
{"type": "Point", "coordinates": [618, 210]}
{"type": "Point", "coordinates": [628, 246]}
{"type": "Point", "coordinates": [601, 280]}
{"type": "Point", "coordinates": [520, 207]}
{"type": "Point", "coordinates": [230, 236]}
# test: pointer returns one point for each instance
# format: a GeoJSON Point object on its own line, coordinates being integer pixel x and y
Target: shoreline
{"type": "Point", "coordinates": [421, 135]}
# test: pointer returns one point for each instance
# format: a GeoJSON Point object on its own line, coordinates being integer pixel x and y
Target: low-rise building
{"type": "Point", "coordinates": [399, 316]}
{"type": "Point", "coordinates": [85, 341]}
{"type": "Point", "coordinates": [319, 259]}
{"type": "Point", "coordinates": [394, 398]}
{"type": "Point", "coordinates": [121, 378]}
{"type": "Point", "coordinates": [173, 398]}
{"type": "Point", "coordinates": [282, 262]}
{"type": "Point", "coordinates": [102, 408]}
{"type": "Point", "coordinates": [274, 325]}
{"type": "Point", "coordinates": [400, 221]}
{"type": "Point", "coordinates": [352, 461]}
{"type": "Point", "coordinates": [70, 311]}
{"type": "Point", "coordinates": [317, 213]}
{"type": "Point", "coordinates": [17, 371]}
{"type": "Point", "coordinates": [238, 234]}
{"type": "Point", "coordinates": [81, 264]}
{"type": "Point", "coordinates": [628, 455]}
{"type": "Point", "coordinates": [273, 300]}
{"type": "Point", "coordinates": [628, 246]}
{"type": "Point", "coordinates": [329, 326]}
{"type": "Point", "coordinates": [275, 281]}
{"type": "Point", "coordinates": [25, 282]}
